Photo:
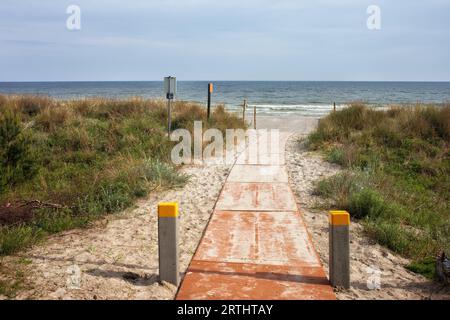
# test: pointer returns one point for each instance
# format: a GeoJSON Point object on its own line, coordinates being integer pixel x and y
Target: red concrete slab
{"type": "Point", "coordinates": [265, 148]}
{"type": "Point", "coordinates": [268, 238]}
{"type": "Point", "coordinates": [258, 173]}
{"type": "Point", "coordinates": [232, 281]}
{"type": "Point", "coordinates": [256, 197]}
{"type": "Point", "coordinates": [261, 158]}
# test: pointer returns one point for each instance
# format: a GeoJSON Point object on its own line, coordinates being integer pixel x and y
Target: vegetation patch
{"type": "Point", "coordinates": [427, 267]}
{"type": "Point", "coordinates": [396, 178]}
{"type": "Point", "coordinates": [66, 163]}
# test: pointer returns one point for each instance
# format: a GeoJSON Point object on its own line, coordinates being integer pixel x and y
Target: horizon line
{"type": "Point", "coordinates": [216, 80]}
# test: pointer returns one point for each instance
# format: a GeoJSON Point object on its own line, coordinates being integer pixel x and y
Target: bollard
{"type": "Point", "coordinates": [168, 242]}
{"type": "Point", "coordinates": [339, 264]}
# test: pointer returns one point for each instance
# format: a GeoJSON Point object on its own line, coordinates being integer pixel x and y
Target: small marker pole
{"type": "Point", "coordinates": [168, 247]}
{"type": "Point", "coordinates": [210, 90]}
{"type": "Point", "coordinates": [243, 110]}
{"type": "Point", "coordinates": [170, 88]}
{"type": "Point", "coordinates": [254, 117]}
{"type": "Point", "coordinates": [169, 116]}
{"type": "Point", "coordinates": [334, 106]}
{"type": "Point", "coordinates": [339, 255]}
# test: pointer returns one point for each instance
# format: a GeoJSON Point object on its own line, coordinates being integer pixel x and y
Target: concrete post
{"type": "Point", "coordinates": [168, 242]}
{"type": "Point", "coordinates": [339, 264]}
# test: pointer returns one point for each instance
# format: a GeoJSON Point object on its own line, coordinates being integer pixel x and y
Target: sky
{"type": "Point", "coordinates": [225, 40]}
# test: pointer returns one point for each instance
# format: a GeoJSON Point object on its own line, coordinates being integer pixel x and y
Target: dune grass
{"type": "Point", "coordinates": [396, 178]}
{"type": "Point", "coordinates": [66, 163]}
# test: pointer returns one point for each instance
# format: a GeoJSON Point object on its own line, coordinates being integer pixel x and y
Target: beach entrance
{"type": "Point", "coordinates": [256, 245]}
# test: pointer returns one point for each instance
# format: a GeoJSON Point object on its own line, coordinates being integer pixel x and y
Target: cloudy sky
{"type": "Point", "coordinates": [225, 40]}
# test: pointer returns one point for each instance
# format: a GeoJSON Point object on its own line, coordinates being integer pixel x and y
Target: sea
{"type": "Point", "coordinates": [306, 98]}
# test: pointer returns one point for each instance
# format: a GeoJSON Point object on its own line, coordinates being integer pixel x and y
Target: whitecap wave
{"type": "Point", "coordinates": [315, 110]}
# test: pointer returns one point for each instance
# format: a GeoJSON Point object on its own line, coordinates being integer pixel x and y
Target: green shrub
{"type": "Point", "coordinates": [32, 105]}
{"type": "Point", "coordinates": [51, 221]}
{"type": "Point", "coordinates": [339, 188]}
{"type": "Point", "coordinates": [90, 157]}
{"type": "Point", "coordinates": [349, 118]}
{"type": "Point", "coordinates": [162, 174]}
{"type": "Point", "coordinates": [392, 235]}
{"type": "Point", "coordinates": [16, 158]}
{"type": "Point", "coordinates": [336, 156]}
{"type": "Point", "coordinates": [14, 238]}
{"type": "Point", "coordinates": [397, 177]}
{"type": "Point", "coordinates": [427, 267]}
{"type": "Point", "coordinates": [366, 202]}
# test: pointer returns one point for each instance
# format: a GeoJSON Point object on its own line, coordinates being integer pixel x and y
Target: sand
{"type": "Point", "coordinates": [288, 123]}
{"type": "Point", "coordinates": [376, 272]}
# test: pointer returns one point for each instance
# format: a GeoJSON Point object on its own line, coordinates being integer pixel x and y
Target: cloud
{"type": "Point", "coordinates": [234, 39]}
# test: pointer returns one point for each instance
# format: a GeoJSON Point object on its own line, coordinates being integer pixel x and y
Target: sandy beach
{"type": "Point", "coordinates": [288, 123]}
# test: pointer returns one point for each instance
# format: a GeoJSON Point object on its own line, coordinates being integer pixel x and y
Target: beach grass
{"type": "Point", "coordinates": [67, 163]}
{"type": "Point", "coordinates": [397, 175]}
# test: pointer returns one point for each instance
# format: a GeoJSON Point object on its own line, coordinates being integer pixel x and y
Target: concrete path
{"type": "Point", "coordinates": [256, 245]}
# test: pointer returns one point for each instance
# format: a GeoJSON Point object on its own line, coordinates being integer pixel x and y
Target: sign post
{"type": "Point", "coordinates": [170, 89]}
{"type": "Point", "coordinates": [210, 90]}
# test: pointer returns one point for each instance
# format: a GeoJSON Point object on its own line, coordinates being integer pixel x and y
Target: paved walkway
{"type": "Point", "coordinates": [256, 245]}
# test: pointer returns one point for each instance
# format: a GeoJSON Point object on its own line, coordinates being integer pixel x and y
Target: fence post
{"type": "Point", "coordinates": [210, 90]}
{"type": "Point", "coordinates": [254, 117]}
{"type": "Point", "coordinates": [339, 255]}
{"type": "Point", "coordinates": [168, 247]}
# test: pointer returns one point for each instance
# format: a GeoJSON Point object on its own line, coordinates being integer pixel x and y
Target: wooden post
{"type": "Point", "coordinates": [244, 106]}
{"type": "Point", "coordinates": [334, 106]}
{"type": "Point", "coordinates": [254, 117]}
{"type": "Point", "coordinates": [210, 90]}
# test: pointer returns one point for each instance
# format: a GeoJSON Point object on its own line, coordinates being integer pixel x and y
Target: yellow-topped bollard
{"type": "Point", "coordinates": [339, 255]}
{"type": "Point", "coordinates": [168, 242]}
{"type": "Point", "coordinates": [168, 210]}
{"type": "Point", "coordinates": [339, 218]}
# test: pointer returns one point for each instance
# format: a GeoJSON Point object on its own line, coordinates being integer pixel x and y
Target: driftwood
{"type": "Point", "coordinates": [36, 204]}
{"type": "Point", "coordinates": [24, 211]}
